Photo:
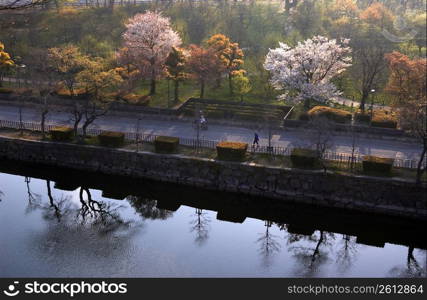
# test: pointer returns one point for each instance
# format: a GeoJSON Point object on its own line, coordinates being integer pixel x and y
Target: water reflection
{"type": "Point", "coordinates": [147, 208]}
{"type": "Point", "coordinates": [311, 252]}
{"type": "Point", "coordinates": [412, 269]}
{"type": "Point", "coordinates": [86, 234]}
{"type": "Point", "coordinates": [200, 225]}
{"type": "Point", "coordinates": [347, 253]}
{"type": "Point", "coordinates": [268, 245]}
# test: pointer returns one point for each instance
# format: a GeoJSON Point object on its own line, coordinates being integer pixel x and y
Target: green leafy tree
{"type": "Point", "coordinates": [242, 84]}
{"type": "Point", "coordinates": [175, 68]}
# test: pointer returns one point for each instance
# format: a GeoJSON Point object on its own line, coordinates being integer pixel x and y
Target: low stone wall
{"type": "Point", "coordinates": [374, 195]}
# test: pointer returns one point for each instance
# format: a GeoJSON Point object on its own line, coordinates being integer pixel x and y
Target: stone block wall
{"type": "Point", "coordinates": [370, 194]}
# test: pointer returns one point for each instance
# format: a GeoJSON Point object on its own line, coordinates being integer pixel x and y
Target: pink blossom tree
{"type": "Point", "coordinates": [150, 38]}
{"type": "Point", "coordinates": [305, 71]}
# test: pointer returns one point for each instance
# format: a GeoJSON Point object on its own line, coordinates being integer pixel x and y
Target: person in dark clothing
{"type": "Point", "coordinates": [256, 140]}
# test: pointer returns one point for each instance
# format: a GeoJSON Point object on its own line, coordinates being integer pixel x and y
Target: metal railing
{"type": "Point", "coordinates": [343, 158]}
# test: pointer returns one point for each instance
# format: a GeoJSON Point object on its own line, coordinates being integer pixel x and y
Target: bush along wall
{"type": "Point", "coordinates": [303, 158]}
{"type": "Point", "coordinates": [384, 119]}
{"type": "Point", "coordinates": [4, 90]}
{"type": "Point", "coordinates": [384, 123]}
{"type": "Point", "coordinates": [166, 144]}
{"type": "Point", "coordinates": [374, 164]}
{"type": "Point", "coordinates": [362, 118]}
{"type": "Point", "coordinates": [333, 114]}
{"type": "Point", "coordinates": [232, 151]}
{"type": "Point", "coordinates": [111, 139]}
{"type": "Point", "coordinates": [61, 133]}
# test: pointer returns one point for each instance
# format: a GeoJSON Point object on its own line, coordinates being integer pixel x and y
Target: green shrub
{"type": "Point", "coordinates": [111, 139]}
{"type": "Point", "coordinates": [333, 114]}
{"type": "Point", "coordinates": [233, 151]}
{"type": "Point", "coordinates": [61, 133]}
{"type": "Point", "coordinates": [5, 90]}
{"type": "Point", "coordinates": [377, 164]}
{"type": "Point", "coordinates": [166, 144]}
{"type": "Point", "coordinates": [303, 158]}
{"type": "Point", "coordinates": [362, 118]}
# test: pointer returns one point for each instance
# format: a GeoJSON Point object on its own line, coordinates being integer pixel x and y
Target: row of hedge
{"type": "Point", "coordinates": [382, 119]}
{"type": "Point", "coordinates": [228, 151]}
{"type": "Point", "coordinates": [333, 114]}
{"type": "Point", "coordinates": [106, 138]}
{"type": "Point", "coordinates": [308, 158]}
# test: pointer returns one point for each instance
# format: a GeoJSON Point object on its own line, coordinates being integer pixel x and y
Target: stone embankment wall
{"type": "Point", "coordinates": [375, 195]}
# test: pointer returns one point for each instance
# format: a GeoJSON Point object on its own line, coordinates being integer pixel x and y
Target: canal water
{"type": "Point", "coordinates": [59, 223]}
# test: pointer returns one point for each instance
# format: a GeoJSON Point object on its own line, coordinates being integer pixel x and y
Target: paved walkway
{"type": "Point", "coordinates": [355, 104]}
{"type": "Point", "coordinates": [281, 138]}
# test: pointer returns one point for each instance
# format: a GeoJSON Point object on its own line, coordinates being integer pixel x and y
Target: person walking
{"type": "Point", "coordinates": [256, 140]}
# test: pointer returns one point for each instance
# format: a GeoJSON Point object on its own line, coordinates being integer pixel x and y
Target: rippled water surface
{"type": "Point", "coordinates": [46, 231]}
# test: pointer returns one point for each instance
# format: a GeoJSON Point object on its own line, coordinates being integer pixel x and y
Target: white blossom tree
{"type": "Point", "coordinates": [150, 38]}
{"type": "Point", "coordinates": [305, 71]}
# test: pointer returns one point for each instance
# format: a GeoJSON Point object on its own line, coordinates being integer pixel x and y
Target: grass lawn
{"type": "Point", "coordinates": [190, 88]}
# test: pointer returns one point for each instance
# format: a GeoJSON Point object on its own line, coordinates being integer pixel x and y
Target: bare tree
{"type": "Point", "coordinates": [310, 257]}
{"type": "Point", "coordinates": [200, 225]}
{"type": "Point", "coordinates": [268, 244]}
{"type": "Point", "coordinates": [52, 203]}
{"type": "Point", "coordinates": [412, 269]}
{"type": "Point", "coordinates": [21, 4]}
{"type": "Point", "coordinates": [321, 138]}
{"type": "Point", "coordinates": [346, 254]}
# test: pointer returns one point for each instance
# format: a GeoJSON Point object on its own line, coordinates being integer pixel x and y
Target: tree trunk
{"type": "Point", "coordinates": [84, 128]}
{"type": "Point", "coordinates": [44, 113]}
{"type": "Point", "coordinates": [420, 169]}
{"type": "Point", "coordinates": [176, 91]}
{"type": "Point", "coordinates": [153, 82]}
{"type": "Point", "coordinates": [77, 119]}
{"type": "Point", "coordinates": [152, 86]}
{"type": "Point", "coordinates": [365, 96]}
{"type": "Point", "coordinates": [230, 83]}
{"type": "Point", "coordinates": [218, 82]}
{"type": "Point", "coordinates": [202, 89]}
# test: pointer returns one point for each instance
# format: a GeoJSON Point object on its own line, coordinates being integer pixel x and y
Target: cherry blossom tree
{"type": "Point", "coordinates": [150, 38]}
{"type": "Point", "coordinates": [305, 71]}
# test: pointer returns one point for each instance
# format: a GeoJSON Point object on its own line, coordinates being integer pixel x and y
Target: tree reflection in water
{"type": "Point", "coordinates": [200, 225]}
{"type": "Point", "coordinates": [268, 245]}
{"type": "Point", "coordinates": [33, 198]}
{"type": "Point", "coordinates": [91, 231]}
{"type": "Point", "coordinates": [412, 268]}
{"type": "Point", "coordinates": [346, 253]}
{"type": "Point", "coordinates": [311, 252]}
{"type": "Point", "coordinates": [147, 208]}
